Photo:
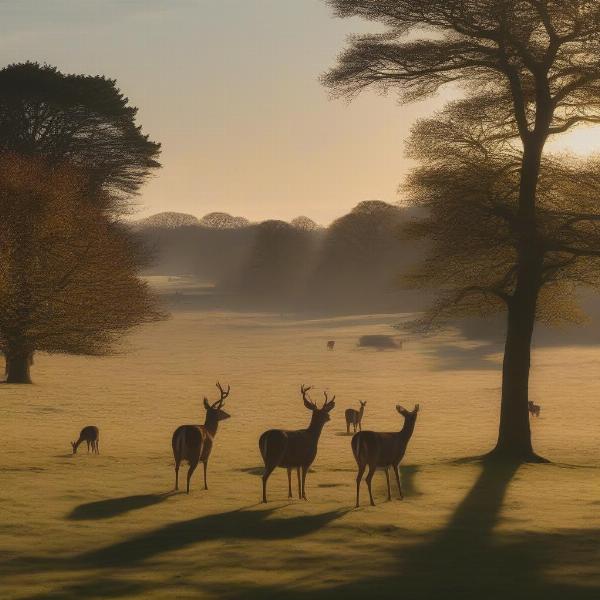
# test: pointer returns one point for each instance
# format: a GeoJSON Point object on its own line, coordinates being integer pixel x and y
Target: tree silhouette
{"type": "Point", "coordinates": [68, 275]}
{"type": "Point", "coordinates": [530, 69]}
{"type": "Point", "coordinates": [83, 120]}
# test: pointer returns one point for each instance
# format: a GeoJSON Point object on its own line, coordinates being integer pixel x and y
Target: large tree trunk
{"type": "Point", "coordinates": [18, 365]}
{"type": "Point", "coordinates": [514, 436]}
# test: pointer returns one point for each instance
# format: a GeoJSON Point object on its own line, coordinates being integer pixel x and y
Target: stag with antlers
{"type": "Point", "coordinates": [194, 442]}
{"type": "Point", "coordinates": [294, 449]}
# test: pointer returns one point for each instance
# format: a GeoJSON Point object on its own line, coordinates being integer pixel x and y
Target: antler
{"type": "Point", "coordinates": [327, 400]}
{"type": "Point", "coordinates": [224, 394]}
{"type": "Point", "coordinates": [304, 389]}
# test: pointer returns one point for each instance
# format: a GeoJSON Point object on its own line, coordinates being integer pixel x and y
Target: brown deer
{"type": "Point", "coordinates": [331, 344]}
{"type": "Point", "coordinates": [534, 408]}
{"type": "Point", "coordinates": [382, 450]}
{"type": "Point", "coordinates": [91, 435]}
{"type": "Point", "coordinates": [354, 417]}
{"type": "Point", "coordinates": [294, 449]}
{"type": "Point", "coordinates": [194, 442]}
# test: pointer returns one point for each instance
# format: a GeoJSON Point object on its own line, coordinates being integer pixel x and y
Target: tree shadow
{"type": "Point", "coordinates": [105, 509]}
{"type": "Point", "coordinates": [452, 357]}
{"type": "Point", "coordinates": [468, 559]}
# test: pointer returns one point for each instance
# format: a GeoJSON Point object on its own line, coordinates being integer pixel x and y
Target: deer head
{"type": "Point", "coordinates": [319, 414]}
{"type": "Point", "coordinates": [363, 404]}
{"type": "Point", "coordinates": [409, 415]}
{"type": "Point", "coordinates": [215, 409]}
{"type": "Point", "coordinates": [74, 446]}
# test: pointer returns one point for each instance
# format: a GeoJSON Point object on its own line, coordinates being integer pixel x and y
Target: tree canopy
{"type": "Point", "coordinates": [80, 119]}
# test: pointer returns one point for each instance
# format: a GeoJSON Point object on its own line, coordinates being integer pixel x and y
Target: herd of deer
{"type": "Point", "coordinates": [291, 450]}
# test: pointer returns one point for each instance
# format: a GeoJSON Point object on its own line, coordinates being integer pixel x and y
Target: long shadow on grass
{"type": "Point", "coordinates": [467, 559]}
{"type": "Point", "coordinates": [105, 509]}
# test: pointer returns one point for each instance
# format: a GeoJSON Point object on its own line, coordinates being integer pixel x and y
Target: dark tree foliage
{"type": "Point", "coordinates": [276, 270]}
{"type": "Point", "coordinates": [361, 255]}
{"type": "Point", "coordinates": [530, 70]}
{"type": "Point", "coordinates": [68, 275]}
{"type": "Point", "coordinates": [79, 119]}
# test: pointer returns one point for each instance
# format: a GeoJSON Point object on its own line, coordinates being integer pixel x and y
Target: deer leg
{"type": "Point", "coordinates": [289, 473]}
{"type": "Point", "coordinates": [361, 470]}
{"type": "Point", "coordinates": [192, 468]}
{"type": "Point", "coordinates": [372, 468]}
{"type": "Point", "coordinates": [387, 478]}
{"type": "Point", "coordinates": [304, 471]}
{"type": "Point", "coordinates": [88, 446]}
{"type": "Point", "coordinates": [176, 474]}
{"type": "Point", "coordinates": [299, 483]}
{"type": "Point", "coordinates": [347, 427]}
{"type": "Point", "coordinates": [265, 477]}
{"type": "Point", "coordinates": [397, 472]}
{"type": "Point", "coordinates": [205, 463]}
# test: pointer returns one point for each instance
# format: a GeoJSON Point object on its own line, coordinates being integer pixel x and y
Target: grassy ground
{"type": "Point", "coordinates": [109, 526]}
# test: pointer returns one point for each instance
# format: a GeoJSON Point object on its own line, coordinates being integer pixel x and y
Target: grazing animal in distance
{"type": "Point", "coordinates": [91, 435]}
{"type": "Point", "coordinates": [354, 417]}
{"type": "Point", "coordinates": [194, 442]}
{"type": "Point", "coordinates": [534, 409]}
{"type": "Point", "coordinates": [331, 344]}
{"type": "Point", "coordinates": [294, 449]}
{"type": "Point", "coordinates": [385, 450]}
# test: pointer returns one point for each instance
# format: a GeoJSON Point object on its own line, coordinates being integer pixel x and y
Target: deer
{"type": "Point", "coordinates": [354, 417]}
{"type": "Point", "coordinates": [330, 344]}
{"type": "Point", "coordinates": [194, 442]}
{"type": "Point", "coordinates": [294, 449]}
{"type": "Point", "coordinates": [91, 435]}
{"type": "Point", "coordinates": [534, 408]}
{"type": "Point", "coordinates": [385, 450]}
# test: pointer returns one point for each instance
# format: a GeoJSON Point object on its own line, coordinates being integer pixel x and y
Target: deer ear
{"type": "Point", "coordinates": [401, 409]}
{"type": "Point", "coordinates": [206, 404]}
{"type": "Point", "coordinates": [416, 410]}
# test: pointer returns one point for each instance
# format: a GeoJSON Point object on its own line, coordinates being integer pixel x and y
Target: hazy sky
{"type": "Point", "coordinates": [230, 88]}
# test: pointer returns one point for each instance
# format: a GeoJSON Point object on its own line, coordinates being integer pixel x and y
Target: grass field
{"type": "Point", "coordinates": [109, 526]}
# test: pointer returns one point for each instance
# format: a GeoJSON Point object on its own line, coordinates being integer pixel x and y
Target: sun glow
{"type": "Point", "coordinates": [582, 141]}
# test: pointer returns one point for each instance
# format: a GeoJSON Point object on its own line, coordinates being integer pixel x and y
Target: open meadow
{"type": "Point", "coordinates": [110, 526]}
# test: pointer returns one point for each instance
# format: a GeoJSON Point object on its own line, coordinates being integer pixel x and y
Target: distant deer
{"type": "Point", "coordinates": [194, 442]}
{"type": "Point", "coordinates": [354, 417]}
{"type": "Point", "coordinates": [534, 409]}
{"type": "Point", "coordinates": [331, 344]}
{"type": "Point", "coordinates": [294, 449]}
{"type": "Point", "coordinates": [91, 435]}
{"type": "Point", "coordinates": [382, 450]}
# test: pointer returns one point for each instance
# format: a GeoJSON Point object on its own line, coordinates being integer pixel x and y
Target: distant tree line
{"type": "Point", "coordinates": [352, 265]}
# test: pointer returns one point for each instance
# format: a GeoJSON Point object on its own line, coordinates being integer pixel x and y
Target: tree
{"type": "Point", "coordinates": [68, 275]}
{"type": "Point", "coordinates": [82, 120]}
{"type": "Point", "coordinates": [359, 259]}
{"type": "Point", "coordinates": [530, 67]}
{"type": "Point", "coordinates": [278, 264]}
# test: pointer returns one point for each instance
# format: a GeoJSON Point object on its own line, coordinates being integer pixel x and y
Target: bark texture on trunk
{"type": "Point", "coordinates": [18, 367]}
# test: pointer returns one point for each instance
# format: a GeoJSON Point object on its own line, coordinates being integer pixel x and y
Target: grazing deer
{"type": "Point", "coordinates": [331, 344]}
{"type": "Point", "coordinates": [294, 449]}
{"type": "Point", "coordinates": [354, 417]}
{"type": "Point", "coordinates": [534, 409]}
{"type": "Point", "coordinates": [194, 442]}
{"type": "Point", "coordinates": [382, 450]}
{"type": "Point", "coordinates": [91, 435]}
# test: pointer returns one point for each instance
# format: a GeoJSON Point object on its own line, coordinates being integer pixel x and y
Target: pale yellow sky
{"type": "Point", "coordinates": [230, 87]}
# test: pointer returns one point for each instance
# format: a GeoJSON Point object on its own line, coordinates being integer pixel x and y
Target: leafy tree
{"type": "Point", "coordinates": [359, 259]}
{"type": "Point", "coordinates": [530, 69]}
{"type": "Point", "coordinates": [83, 120]}
{"type": "Point", "coordinates": [68, 275]}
